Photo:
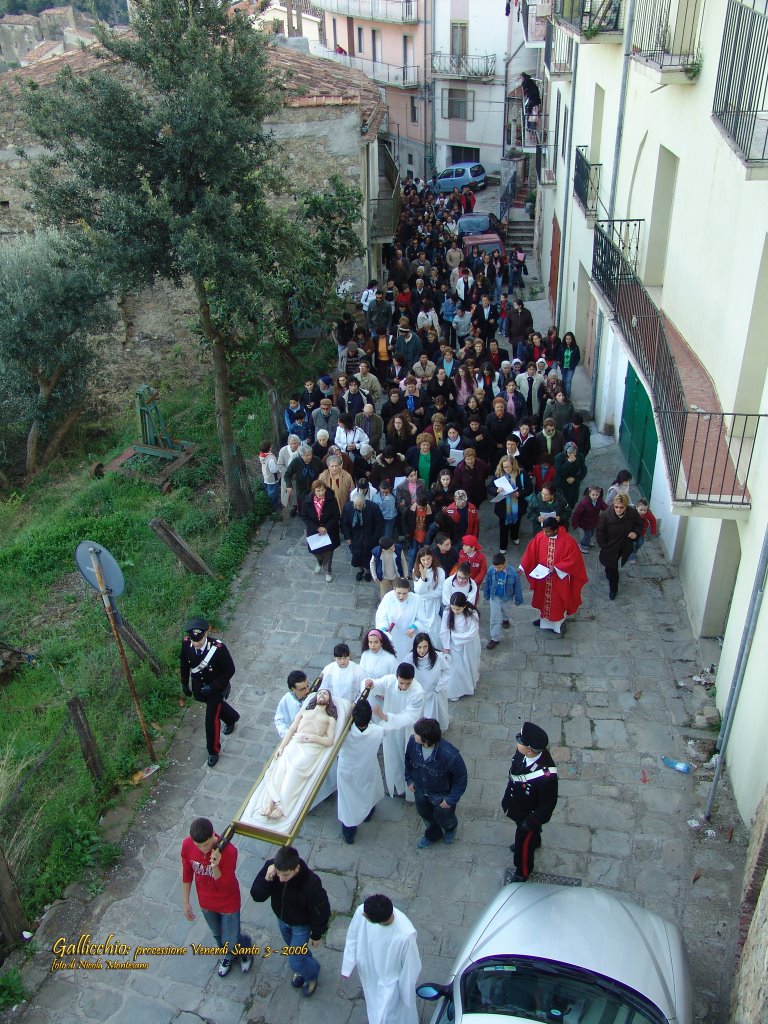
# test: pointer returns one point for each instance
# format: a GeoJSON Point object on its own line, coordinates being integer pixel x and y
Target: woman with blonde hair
{"type": "Point", "coordinates": [510, 510]}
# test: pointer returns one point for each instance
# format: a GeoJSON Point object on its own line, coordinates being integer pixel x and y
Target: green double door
{"type": "Point", "coordinates": [637, 435]}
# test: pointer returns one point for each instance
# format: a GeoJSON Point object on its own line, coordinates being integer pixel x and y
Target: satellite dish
{"type": "Point", "coordinates": [114, 580]}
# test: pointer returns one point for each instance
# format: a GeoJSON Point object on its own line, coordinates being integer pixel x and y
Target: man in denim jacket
{"type": "Point", "coordinates": [436, 773]}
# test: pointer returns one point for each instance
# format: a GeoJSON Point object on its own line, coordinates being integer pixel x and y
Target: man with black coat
{"type": "Point", "coordinates": [519, 323]}
{"type": "Point", "coordinates": [206, 673]}
{"type": "Point", "coordinates": [300, 904]}
{"type": "Point", "coordinates": [531, 795]}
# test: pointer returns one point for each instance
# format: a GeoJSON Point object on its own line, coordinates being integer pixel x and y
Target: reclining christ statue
{"type": "Point", "coordinates": [297, 758]}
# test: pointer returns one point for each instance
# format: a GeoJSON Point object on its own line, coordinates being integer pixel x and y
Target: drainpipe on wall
{"type": "Point", "coordinates": [566, 201]}
{"type": "Point", "coordinates": [368, 197]}
{"type": "Point", "coordinates": [740, 668]}
{"type": "Point", "coordinates": [430, 93]}
{"type": "Point", "coordinates": [628, 27]}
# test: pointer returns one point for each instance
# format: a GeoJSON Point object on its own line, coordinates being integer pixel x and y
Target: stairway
{"type": "Point", "coordinates": [521, 232]}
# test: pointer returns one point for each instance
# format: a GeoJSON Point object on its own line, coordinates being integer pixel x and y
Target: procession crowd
{"type": "Point", "coordinates": [425, 425]}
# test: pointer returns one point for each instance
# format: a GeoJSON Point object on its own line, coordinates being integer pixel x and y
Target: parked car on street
{"type": "Point", "coordinates": [459, 175]}
{"type": "Point", "coordinates": [478, 223]}
{"type": "Point", "coordinates": [556, 953]}
{"type": "Point", "coordinates": [485, 243]}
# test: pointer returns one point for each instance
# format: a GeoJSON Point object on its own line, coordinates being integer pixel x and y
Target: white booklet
{"type": "Point", "coordinates": [505, 485]}
{"type": "Point", "coordinates": [315, 541]}
{"type": "Point", "coordinates": [540, 572]}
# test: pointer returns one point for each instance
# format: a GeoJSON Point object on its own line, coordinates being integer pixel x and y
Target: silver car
{"type": "Point", "coordinates": [580, 956]}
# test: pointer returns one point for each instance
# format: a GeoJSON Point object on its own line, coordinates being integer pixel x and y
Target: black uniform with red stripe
{"type": "Point", "coordinates": [529, 800]}
{"type": "Point", "coordinates": [211, 685]}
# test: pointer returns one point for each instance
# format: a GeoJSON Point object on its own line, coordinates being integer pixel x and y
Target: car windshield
{"type": "Point", "coordinates": [474, 225]}
{"type": "Point", "coordinates": [540, 990]}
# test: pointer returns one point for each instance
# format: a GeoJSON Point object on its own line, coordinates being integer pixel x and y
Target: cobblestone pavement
{"type": "Point", "coordinates": [607, 694]}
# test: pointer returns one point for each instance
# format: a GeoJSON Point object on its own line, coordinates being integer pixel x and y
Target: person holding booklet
{"type": "Point", "coordinates": [320, 513]}
{"type": "Point", "coordinates": [557, 574]}
{"type": "Point", "coordinates": [509, 504]}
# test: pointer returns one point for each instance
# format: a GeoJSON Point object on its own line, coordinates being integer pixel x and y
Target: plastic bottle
{"type": "Point", "coordinates": [679, 766]}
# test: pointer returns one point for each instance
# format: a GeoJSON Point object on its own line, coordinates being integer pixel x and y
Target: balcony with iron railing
{"type": "Point", "coordinates": [666, 36]}
{"type": "Point", "coordinates": [399, 75]}
{"type": "Point", "coordinates": [463, 65]}
{"type": "Point", "coordinates": [740, 106]}
{"type": "Point", "coordinates": [533, 18]}
{"type": "Point", "coordinates": [398, 12]}
{"type": "Point", "coordinates": [384, 209]}
{"type": "Point", "coordinates": [586, 182]}
{"type": "Point", "coordinates": [708, 453]}
{"type": "Point", "coordinates": [546, 164]}
{"type": "Point", "coordinates": [599, 21]}
{"type": "Point", "coordinates": [558, 53]}
{"type": "Point", "coordinates": [528, 127]}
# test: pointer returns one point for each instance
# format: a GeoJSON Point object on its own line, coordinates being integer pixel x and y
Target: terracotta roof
{"type": "Point", "coordinates": [317, 82]}
{"type": "Point", "coordinates": [40, 51]}
{"type": "Point", "coordinates": [58, 10]}
{"type": "Point", "coordinates": [314, 82]}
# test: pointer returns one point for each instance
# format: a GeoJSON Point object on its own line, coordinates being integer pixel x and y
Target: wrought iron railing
{"type": "Point", "coordinates": [508, 194]}
{"type": "Point", "coordinates": [708, 454]}
{"type": "Point", "coordinates": [558, 51]}
{"type": "Point", "coordinates": [457, 65]}
{"type": "Point", "coordinates": [741, 92]}
{"type": "Point", "coordinates": [667, 32]}
{"type": "Point", "coordinates": [586, 181]}
{"type": "Point", "coordinates": [398, 11]}
{"type": "Point", "coordinates": [405, 76]}
{"type": "Point", "coordinates": [589, 17]}
{"type": "Point", "coordinates": [546, 164]}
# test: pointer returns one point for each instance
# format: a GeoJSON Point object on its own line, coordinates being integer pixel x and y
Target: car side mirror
{"type": "Point", "coordinates": [431, 991]}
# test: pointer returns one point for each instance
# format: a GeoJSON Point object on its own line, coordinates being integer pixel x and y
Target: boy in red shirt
{"type": "Point", "coordinates": [218, 892]}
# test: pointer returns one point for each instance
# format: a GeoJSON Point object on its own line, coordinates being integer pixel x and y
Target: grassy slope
{"type": "Point", "coordinates": [48, 829]}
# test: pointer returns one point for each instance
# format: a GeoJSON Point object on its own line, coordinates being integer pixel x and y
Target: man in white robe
{"type": "Point", "coordinates": [290, 703]}
{"type": "Point", "coordinates": [402, 707]}
{"type": "Point", "coordinates": [342, 676]}
{"type": "Point", "coordinates": [381, 944]}
{"type": "Point", "coordinates": [398, 616]}
{"type": "Point", "coordinates": [358, 773]}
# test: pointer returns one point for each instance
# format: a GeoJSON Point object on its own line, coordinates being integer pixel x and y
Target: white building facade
{"type": "Point", "coordinates": [653, 219]}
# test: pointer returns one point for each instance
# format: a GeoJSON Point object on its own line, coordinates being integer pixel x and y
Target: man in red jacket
{"type": "Point", "coordinates": [218, 892]}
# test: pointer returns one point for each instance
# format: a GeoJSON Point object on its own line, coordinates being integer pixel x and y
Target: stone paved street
{"type": "Point", "coordinates": [607, 694]}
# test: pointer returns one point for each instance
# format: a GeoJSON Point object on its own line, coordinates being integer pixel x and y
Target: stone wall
{"type": "Point", "coordinates": [749, 1003]}
{"type": "Point", "coordinates": [318, 142]}
{"type": "Point", "coordinates": [17, 36]}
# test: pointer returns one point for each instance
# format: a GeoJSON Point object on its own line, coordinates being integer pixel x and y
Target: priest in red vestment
{"type": "Point", "coordinates": [556, 572]}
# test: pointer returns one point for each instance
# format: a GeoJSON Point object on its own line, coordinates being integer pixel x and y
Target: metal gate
{"type": "Point", "coordinates": [637, 435]}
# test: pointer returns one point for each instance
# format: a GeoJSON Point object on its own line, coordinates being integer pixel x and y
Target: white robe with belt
{"type": "Point", "coordinates": [395, 617]}
{"type": "Point", "coordinates": [343, 682]}
{"type": "Point", "coordinates": [403, 709]}
{"type": "Point", "coordinates": [387, 959]}
{"type": "Point", "coordinates": [463, 641]}
{"type": "Point", "coordinates": [358, 775]}
{"type": "Point", "coordinates": [430, 595]}
{"type": "Point", "coordinates": [434, 682]}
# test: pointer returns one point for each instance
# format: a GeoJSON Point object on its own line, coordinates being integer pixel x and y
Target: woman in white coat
{"type": "Point", "coordinates": [428, 580]}
{"type": "Point", "coordinates": [398, 616]}
{"type": "Point", "coordinates": [378, 656]}
{"type": "Point", "coordinates": [461, 640]}
{"type": "Point", "coordinates": [431, 667]}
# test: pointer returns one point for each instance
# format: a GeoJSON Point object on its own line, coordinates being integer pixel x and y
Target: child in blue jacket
{"type": "Point", "coordinates": [500, 587]}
